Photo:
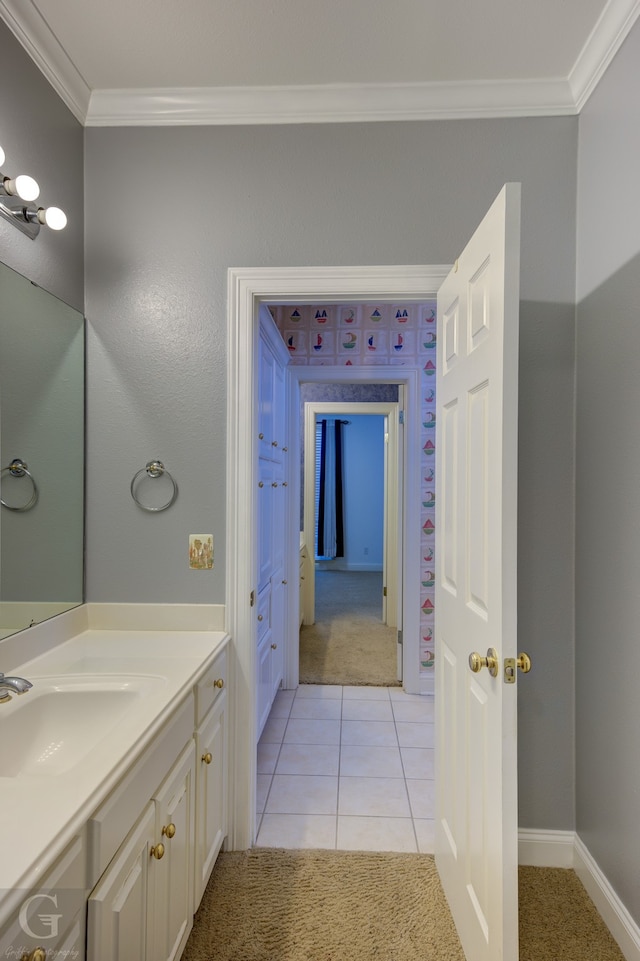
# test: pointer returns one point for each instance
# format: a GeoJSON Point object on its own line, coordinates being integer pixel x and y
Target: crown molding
{"type": "Point", "coordinates": [35, 35]}
{"type": "Point", "coordinates": [330, 103]}
{"type": "Point", "coordinates": [606, 38]}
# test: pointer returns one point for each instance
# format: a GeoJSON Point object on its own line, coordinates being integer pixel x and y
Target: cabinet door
{"type": "Point", "coordinates": [118, 922]}
{"type": "Point", "coordinates": [266, 520]}
{"type": "Point", "coordinates": [266, 365]}
{"type": "Point", "coordinates": [211, 788]}
{"type": "Point", "coordinates": [175, 829]}
{"type": "Point", "coordinates": [278, 619]}
{"type": "Point", "coordinates": [264, 680]}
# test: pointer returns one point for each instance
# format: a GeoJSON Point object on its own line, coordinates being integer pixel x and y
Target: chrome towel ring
{"type": "Point", "coordinates": [18, 468]}
{"type": "Point", "coordinates": [155, 468]}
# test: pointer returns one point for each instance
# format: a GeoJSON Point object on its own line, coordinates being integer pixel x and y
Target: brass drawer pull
{"type": "Point", "coordinates": [207, 758]}
{"type": "Point", "coordinates": [157, 851]}
{"type": "Point", "coordinates": [169, 831]}
{"type": "Point", "coordinates": [219, 681]}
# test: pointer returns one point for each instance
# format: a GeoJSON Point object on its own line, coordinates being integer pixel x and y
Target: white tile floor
{"type": "Point", "coordinates": [348, 768]}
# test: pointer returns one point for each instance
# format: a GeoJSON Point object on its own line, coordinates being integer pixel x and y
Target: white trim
{"type": "Point", "coordinates": [387, 409]}
{"type": "Point", "coordinates": [548, 849]}
{"type": "Point", "coordinates": [31, 29]}
{"type": "Point", "coordinates": [330, 103]}
{"type": "Point", "coordinates": [611, 909]}
{"type": "Point", "coordinates": [606, 38]}
{"type": "Point", "coordinates": [564, 849]}
{"type": "Point", "coordinates": [247, 289]}
{"type": "Point", "coordinates": [321, 103]}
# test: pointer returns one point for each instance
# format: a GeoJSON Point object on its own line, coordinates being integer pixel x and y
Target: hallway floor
{"type": "Point", "coordinates": [348, 768]}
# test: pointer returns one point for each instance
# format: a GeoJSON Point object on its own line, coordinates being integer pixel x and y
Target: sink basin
{"type": "Point", "coordinates": [52, 727]}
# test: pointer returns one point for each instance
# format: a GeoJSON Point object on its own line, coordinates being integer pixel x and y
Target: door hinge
{"type": "Point", "coordinates": [384, 591]}
{"type": "Point", "coordinates": [252, 598]}
{"type": "Point", "coordinates": [400, 638]}
{"type": "Point", "coordinates": [401, 417]}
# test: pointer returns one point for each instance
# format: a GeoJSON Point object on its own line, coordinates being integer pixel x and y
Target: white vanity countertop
{"type": "Point", "coordinates": [43, 812]}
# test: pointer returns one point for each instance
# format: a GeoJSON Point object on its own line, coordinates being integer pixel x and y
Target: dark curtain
{"type": "Point", "coordinates": [330, 520]}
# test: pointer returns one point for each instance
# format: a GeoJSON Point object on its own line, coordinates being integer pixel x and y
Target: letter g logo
{"type": "Point", "coordinates": [49, 921]}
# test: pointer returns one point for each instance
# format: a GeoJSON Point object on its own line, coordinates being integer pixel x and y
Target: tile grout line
{"type": "Point", "coordinates": [275, 766]}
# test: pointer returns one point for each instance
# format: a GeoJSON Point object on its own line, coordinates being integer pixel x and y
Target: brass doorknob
{"type": "Point", "coordinates": [207, 758]}
{"type": "Point", "coordinates": [523, 661]}
{"type": "Point", "coordinates": [476, 662]}
{"type": "Point", "coordinates": [169, 831]}
{"type": "Point", "coordinates": [157, 851]}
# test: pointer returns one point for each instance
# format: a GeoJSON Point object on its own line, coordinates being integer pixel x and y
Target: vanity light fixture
{"type": "Point", "coordinates": [17, 196]}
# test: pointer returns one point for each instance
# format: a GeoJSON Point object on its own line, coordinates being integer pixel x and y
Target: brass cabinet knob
{"type": "Point", "coordinates": [274, 483]}
{"type": "Point", "coordinates": [274, 443]}
{"type": "Point", "coordinates": [476, 662]}
{"type": "Point", "coordinates": [207, 758]}
{"type": "Point", "coordinates": [260, 436]}
{"type": "Point", "coordinates": [274, 647]}
{"type": "Point", "coordinates": [169, 831]}
{"type": "Point", "coordinates": [260, 617]}
{"type": "Point", "coordinates": [284, 581]}
{"type": "Point", "coordinates": [157, 851]}
{"type": "Point", "coordinates": [219, 681]}
{"type": "Point", "coordinates": [284, 484]}
{"type": "Point", "coordinates": [285, 449]}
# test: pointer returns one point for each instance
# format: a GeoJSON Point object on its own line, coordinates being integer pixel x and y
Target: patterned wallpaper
{"type": "Point", "coordinates": [392, 335]}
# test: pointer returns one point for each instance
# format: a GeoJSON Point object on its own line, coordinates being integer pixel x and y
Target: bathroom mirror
{"type": "Point", "coordinates": [42, 428]}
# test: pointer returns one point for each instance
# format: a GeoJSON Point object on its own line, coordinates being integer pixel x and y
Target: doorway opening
{"type": "Point", "coordinates": [351, 585]}
{"type": "Point", "coordinates": [248, 289]}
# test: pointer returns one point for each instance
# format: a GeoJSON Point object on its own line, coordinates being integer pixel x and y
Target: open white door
{"type": "Point", "coordinates": [476, 604]}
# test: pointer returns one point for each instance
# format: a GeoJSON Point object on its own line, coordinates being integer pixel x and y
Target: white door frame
{"type": "Point", "coordinates": [247, 289]}
{"type": "Point", "coordinates": [392, 517]}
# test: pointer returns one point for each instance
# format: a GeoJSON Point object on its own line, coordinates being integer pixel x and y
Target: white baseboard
{"type": "Point", "coordinates": [546, 849]}
{"type": "Point", "coordinates": [564, 849]}
{"type": "Point", "coordinates": [611, 909]}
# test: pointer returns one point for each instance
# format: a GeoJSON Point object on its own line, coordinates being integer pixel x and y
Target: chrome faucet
{"type": "Point", "coordinates": [13, 685]}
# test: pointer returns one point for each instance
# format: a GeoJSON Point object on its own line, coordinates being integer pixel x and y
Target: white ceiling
{"type": "Point", "coordinates": [237, 61]}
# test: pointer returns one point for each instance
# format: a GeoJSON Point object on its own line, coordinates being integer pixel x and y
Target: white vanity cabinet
{"type": "Point", "coordinates": [152, 851]}
{"type": "Point", "coordinates": [211, 771]}
{"type": "Point", "coordinates": [49, 921]}
{"type": "Point", "coordinates": [142, 907]}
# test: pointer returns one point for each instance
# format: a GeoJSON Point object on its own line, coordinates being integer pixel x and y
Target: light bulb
{"type": "Point", "coordinates": [53, 217]}
{"type": "Point", "coordinates": [2, 156]}
{"type": "Point", "coordinates": [24, 187]}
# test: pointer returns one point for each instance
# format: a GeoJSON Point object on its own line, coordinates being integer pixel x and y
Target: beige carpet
{"type": "Point", "coordinates": [275, 905]}
{"type": "Point", "coordinates": [348, 644]}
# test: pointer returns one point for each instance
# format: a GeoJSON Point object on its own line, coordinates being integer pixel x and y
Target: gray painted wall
{"type": "Point", "coordinates": [168, 210]}
{"type": "Point", "coordinates": [40, 136]}
{"type": "Point", "coordinates": [607, 474]}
